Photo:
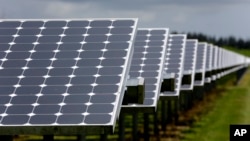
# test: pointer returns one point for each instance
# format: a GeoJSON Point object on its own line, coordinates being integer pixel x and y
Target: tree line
{"type": "Point", "coordinates": [231, 41]}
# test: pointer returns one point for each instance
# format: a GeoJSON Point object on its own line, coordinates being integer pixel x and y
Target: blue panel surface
{"type": "Point", "coordinates": [57, 72]}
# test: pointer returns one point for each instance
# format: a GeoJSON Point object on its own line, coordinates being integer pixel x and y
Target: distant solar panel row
{"type": "Point", "coordinates": [72, 74]}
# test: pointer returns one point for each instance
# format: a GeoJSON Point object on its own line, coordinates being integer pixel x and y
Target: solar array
{"type": "Point", "coordinates": [71, 76]}
{"type": "Point", "coordinates": [189, 64]}
{"type": "Point", "coordinates": [200, 64]}
{"type": "Point", "coordinates": [174, 62]}
{"type": "Point", "coordinates": [147, 62]}
{"type": "Point", "coordinates": [63, 72]}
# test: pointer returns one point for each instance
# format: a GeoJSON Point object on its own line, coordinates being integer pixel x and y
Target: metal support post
{"type": "Point", "coordinates": [48, 137]}
{"type": "Point", "coordinates": [163, 115]}
{"type": "Point", "coordinates": [81, 137]}
{"type": "Point", "coordinates": [6, 137]}
{"type": "Point", "coordinates": [146, 127]}
{"type": "Point", "coordinates": [156, 129]}
{"type": "Point", "coordinates": [103, 137]}
{"type": "Point", "coordinates": [176, 110]}
{"type": "Point", "coordinates": [121, 127]}
{"type": "Point", "coordinates": [169, 111]}
{"type": "Point", "coordinates": [135, 129]}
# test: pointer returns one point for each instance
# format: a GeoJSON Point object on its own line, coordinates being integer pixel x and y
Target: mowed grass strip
{"type": "Point", "coordinates": [233, 107]}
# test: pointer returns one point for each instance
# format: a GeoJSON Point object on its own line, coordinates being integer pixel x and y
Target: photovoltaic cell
{"type": "Point", "coordinates": [189, 62]}
{"type": "Point", "coordinates": [200, 64]}
{"type": "Point", "coordinates": [63, 72]}
{"type": "Point", "coordinates": [174, 61]}
{"type": "Point", "coordinates": [148, 62]}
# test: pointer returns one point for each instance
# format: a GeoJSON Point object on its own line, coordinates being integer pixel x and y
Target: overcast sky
{"type": "Point", "coordinates": [212, 17]}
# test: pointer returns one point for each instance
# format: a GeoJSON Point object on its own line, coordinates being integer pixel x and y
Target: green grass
{"type": "Point", "coordinates": [233, 107]}
{"type": "Point", "coordinates": [245, 52]}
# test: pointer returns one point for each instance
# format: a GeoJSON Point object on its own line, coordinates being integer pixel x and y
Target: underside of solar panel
{"type": "Point", "coordinates": [63, 76]}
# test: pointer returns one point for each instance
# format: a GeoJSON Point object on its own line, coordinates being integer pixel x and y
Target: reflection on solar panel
{"type": "Point", "coordinates": [174, 62]}
{"type": "Point", "coordinates": [189, 64]}
{"type": "Point", "coordinates": [209, 63]}
{"type": "Point", "coordinates": [200, 64]}
{"type": "Point", "coordinates": [63, 72]}
{"type": "Point", "coordinates": [148, 62]}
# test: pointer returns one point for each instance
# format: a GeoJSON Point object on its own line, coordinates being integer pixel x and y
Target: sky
{"type": "Point", "coordinates": [218, 18]}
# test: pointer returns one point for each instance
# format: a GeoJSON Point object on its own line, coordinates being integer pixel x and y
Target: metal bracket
{"type": "Point", "coordinates": [187, 72]}
{"type": "Point", "coordinates": [135, 91]}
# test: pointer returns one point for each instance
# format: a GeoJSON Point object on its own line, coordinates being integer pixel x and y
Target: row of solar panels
{"type": "Point", "coordinates": [71, 76]}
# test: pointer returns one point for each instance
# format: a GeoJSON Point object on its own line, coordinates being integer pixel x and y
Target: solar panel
{"type": "Point", "coordinates": [224, 62]}
{"type": "Point", "coordinates": [219, 55]}
{"type": "Point", "coordinates": [148, 63]}
{"type": "Point", "coordinates": [189, 64]}
{"type": "Point", "coordinates": [174, 62]}
{"type": "Point", "coordinates": [208, 63]}
{"type": "Point", "coordinates": [200, 64]}
{"type": "Point", "coordinates": [64, 73]}
{"type": "Point", "coordinates": [214, 63]}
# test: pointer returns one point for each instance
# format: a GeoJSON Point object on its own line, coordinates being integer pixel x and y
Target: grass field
{"type": "Point", "coordinates": [232, 107]}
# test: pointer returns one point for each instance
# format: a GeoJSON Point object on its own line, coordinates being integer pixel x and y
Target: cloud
{"type": "Point", "coordinates": [212, 17]}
